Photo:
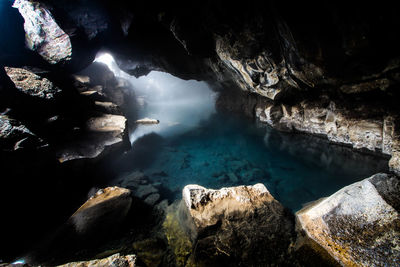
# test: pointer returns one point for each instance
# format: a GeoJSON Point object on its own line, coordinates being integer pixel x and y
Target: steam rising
{"type": "Point", "coordinates": [179, 105]}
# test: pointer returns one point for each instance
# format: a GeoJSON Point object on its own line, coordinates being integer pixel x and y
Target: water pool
{"type": "Point", "coordinates": [228, 150]}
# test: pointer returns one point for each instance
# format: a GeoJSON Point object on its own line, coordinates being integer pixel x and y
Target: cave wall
{"type": "Point", "coordinates": [268, 59]}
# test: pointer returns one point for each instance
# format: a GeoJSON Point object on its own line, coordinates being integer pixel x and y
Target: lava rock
{"type": "Point", "coordinates": [43, 34]}
{"type": "Point", "coordinates": [102, 212]}
{"type": "Point", "coordinates": [102, 135]}
{"type": "Point", "coordinates": [116, 260]}
{"type": "Point", "coordinates": [358, 225]}
{"type": "Point", "coordinates": [233, 225]}
{"type": "Point", "coordinates": [32, 84]}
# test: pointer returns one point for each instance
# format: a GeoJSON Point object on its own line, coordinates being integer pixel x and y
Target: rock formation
{"type": "Point", "coordinates": [237, 225]}
{"type": "Point", "coordinates": [113, 260]}
{"type": "Point", "coordinates": [358, 225]}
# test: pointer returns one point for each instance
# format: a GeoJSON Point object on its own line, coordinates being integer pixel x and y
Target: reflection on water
{"type": "Point", "coordinates": [228, 151]}
{"type": "Point", "coordinates": [179, 105]}
{"type": "Point", "coordinates": [193, 145]}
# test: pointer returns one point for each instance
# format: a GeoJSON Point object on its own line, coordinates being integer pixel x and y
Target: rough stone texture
{"type": "Point", "coordinates": [238, 225]}
{"type": "Point", "coordinates": [338, 123]}
{"type": "Point", "coordinates": [103, 132]}
{"type": "Point", "coordinates": [14, 135]}
{"type": "Point", "coordinates": [359, 225]}
{"type": "Point", "coordinates": [103, 211]}
{"type": "Point", "coordinates": [115, 260]}
{"type": "Point", "coordinates": [32, 84]}
{"type": "Point", "coordinates": [43, 33]}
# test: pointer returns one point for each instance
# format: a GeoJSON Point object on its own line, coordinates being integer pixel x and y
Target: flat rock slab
{"type": "Point", "coordinates": [360, 224]}
{"type": "Point", "coordinates": [115, 260]}
{"type": "Point", "coordinates": [241, 225]}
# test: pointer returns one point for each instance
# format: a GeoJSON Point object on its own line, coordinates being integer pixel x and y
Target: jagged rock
{"type": "Point", "coordinates": [102, 212]}
{"type": "Point", "coordinates": [115, 260]}
{"type": "Point", "coordinates": [233, 225]}
{"type": "Point", "coordinates": [103, 132]}
{"type": "Point", "coordinates": [359, 225]}
{"type": "Point", "coordinates": [338, 124]}
{"type": "Point", "coordinates": [43, 33]}
{"type": "Point", "coordinates": [147, 121]}
{"type": "Point", "coordinates": [32, 84]}
{"type": "Point", "coordinates": [14, 135]}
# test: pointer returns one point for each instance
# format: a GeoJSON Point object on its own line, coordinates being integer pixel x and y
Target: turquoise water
{"type": "Point", "coordinates": [227, 151]}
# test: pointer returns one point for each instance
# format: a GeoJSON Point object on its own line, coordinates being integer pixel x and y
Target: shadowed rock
{"type": "Point", "coordinates": [237, 225]}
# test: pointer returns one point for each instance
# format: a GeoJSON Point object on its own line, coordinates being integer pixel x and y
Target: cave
{"type": "Point", "coordinates": [138, 133]}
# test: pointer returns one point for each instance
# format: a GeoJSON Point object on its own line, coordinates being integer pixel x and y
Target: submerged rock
{"type": "Point", "coordinates": [115, 260]}
{"type": "Point", "coordinates": [359, 225]}
{"type": "Point", "coordinates": [238, 225]}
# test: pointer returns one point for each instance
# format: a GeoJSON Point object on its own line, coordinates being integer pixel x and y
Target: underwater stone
{"type": "Point", "coordinates": [358, 225]}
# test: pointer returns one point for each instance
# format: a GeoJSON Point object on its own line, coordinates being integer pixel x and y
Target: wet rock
{"type": "Point", "coordinates": [338, 124]}
{"type": "Point", "coordinates": [32, 84]}
{"type": "Point", "coordinates": [116, 260]}
{"type": "Point", "coordinates": [152, 199]}
{"type": "Point", "coordinates": [43, 34]}
{"type": "Point", "coordinates": [145, 190]}
{"type": "Point", "coordinates": [358, 225]}
{"type": "Point", "coordinates": [233, 225]}
{"type": "Point", "coordinates": [102, 212]}
{"type": "Point", "coordinates": [147, 121]}
{"type": "Point", "coordinates": [232, 177]}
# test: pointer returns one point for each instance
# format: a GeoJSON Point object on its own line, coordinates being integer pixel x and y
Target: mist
{"type": "Point", "coordinates": [178, 104]}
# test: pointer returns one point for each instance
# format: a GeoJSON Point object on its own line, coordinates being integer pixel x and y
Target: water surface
{"type": "Point", "coordinates": [227, 150]}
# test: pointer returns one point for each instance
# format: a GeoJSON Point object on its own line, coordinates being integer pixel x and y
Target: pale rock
{"type": "Point", "coordinates": [359, 225]}
{"type": "Point", "coordinates": [43, 33]}
{"type": "Point", "coordinates": [235, 224]}
{"type": "Point", "coordinates": [32, 84]}
{"type": "Point", "coordinates": [103, 211]}
{"type": "Point", "coordinates": [147, 121]}
{"type": "Point", "coordinates": [115, 260]}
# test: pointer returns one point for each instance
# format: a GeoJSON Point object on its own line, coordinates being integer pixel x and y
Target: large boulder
{"type": "Point", "coordinates": [115, 260]}
{"type": "Point", "coordinates": [359, 225]}
{"type": "Point", "coordinates": [237, 225]}
{"type": "Point", "coordinates": [103, 211]}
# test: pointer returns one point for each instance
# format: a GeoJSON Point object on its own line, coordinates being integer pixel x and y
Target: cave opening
{"type": "Point", "coordinates": [187, 140]}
